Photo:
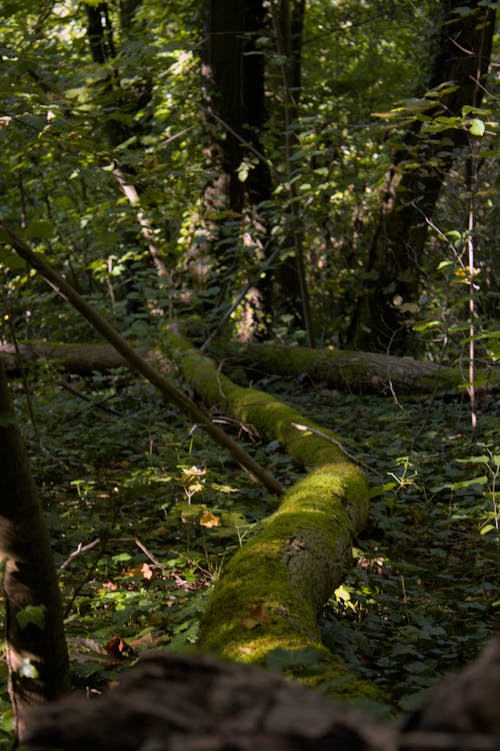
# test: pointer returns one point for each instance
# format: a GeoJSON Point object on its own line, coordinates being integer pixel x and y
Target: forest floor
{"type": "Point", "coordinates": [144, 511]}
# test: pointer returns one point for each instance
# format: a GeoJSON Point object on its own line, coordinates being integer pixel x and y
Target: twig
{"type": "Point", "coordinates": [79, 549]}
{"type": "Point", "coordinates": [329, 438]}
{"type": "Point", "coordinates": [147, 553]}
{"type": "Point", "coordinates": [98, 405]}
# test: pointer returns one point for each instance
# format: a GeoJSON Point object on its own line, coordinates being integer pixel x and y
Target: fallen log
{"type": "Point", "coordinates": [360, 372]}
{"type": "Point", "coordinates": [357, 372]}
{"type": "Point", "coordinates": [81, 359]}
{"type": "Point", "coordinates": [183, 703]}
{"type": "Point", "coordinates": [271, 591]}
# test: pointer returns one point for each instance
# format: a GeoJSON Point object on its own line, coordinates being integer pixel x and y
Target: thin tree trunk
{"type": "Point", "coordinates": [396, 254]}
{"type": "Point", "coordinates": [293, 296]}
{"type": "Point", "coordinates": [35, 645]}
{"type": "Point", "coordinates": [234, 119]}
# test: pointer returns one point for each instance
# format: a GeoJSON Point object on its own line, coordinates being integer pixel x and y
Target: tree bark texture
{"type": "Point", "coordinates": [186, 703]}
{"type": "Point", "coordinates": [182, 703]}
{"type": "Point", "coordinates": [234, 74]}
{"type": "Point", "coordinates": [415, 180]}
{"type": "Point", "coordinates": [292, 294]}
{"type": "Point", "coordinates": [35, 645]}
{"type": "Point", "coordinates": [235, 119]}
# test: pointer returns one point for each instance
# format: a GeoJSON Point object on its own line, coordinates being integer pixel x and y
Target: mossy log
{"type": "Point", "coordinates": [271, 591]}
{"type": "Point", "coordinates": [288, 571]}
{"type": "Point", "coordinates": [357, 372]}
{"type": "Point", "coordinates": [360, 372]}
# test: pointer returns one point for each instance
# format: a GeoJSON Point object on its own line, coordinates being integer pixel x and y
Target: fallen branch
{"type": "Point", "coordinates": [135, 361]}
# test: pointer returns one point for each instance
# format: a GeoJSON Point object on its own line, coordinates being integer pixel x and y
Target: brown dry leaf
{"type": "Point", "coordinates": [147, 571]}
{"type": "Point", "coordinates": [111, 586]}
{"type": "Point", "coordinates": [117, 647]}
{"type": "Point", "coordinates": [208, 519]}
{"type": "Point", "coordinates": [257, 616]}
{"type": "Point", "coordinates": [149, 640]}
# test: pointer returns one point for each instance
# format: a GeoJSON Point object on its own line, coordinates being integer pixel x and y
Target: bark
{"type": "Point", "coordinates": [182, 703]}
{"type": "Point", "coordinates": [77, 358]}
{"type": "Point", "coordinates": [234, 75]}
{"type": "Point", "coordinates": [292, 290]}
{"type": "Point", "coordinates": [415, 181]}
{"type": "Point", "coordinates": [35, 645]}
{"type": "Point", "coordinates": [138, 363]}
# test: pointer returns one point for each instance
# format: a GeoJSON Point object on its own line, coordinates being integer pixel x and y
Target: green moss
{"type": "Point", "coordinates": [266, 598]}
{"type": "Point", "coordinates": [269, 596]}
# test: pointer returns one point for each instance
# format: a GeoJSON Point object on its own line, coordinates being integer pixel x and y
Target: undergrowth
{"type": "Point", "coordinates": [144, 511]}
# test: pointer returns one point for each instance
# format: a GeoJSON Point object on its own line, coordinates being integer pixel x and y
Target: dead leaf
{"type": "Point", "coordinates": [207, 519]}
{"type": "Point", "coordinates": [257, 616]}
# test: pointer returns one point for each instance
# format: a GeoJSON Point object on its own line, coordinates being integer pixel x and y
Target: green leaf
{"type": "Point", "coordinates": [39, 229]}
{"type": "Point", "coordinates": [487, 528]}
{"type": "Point", "coordinates": [32, 614]}
{"type": "Point", "coordinates": [477, 127]}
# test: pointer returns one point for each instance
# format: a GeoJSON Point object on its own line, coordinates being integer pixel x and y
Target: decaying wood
{"type": "Point", "coordinates": [77, 358]}
{"type": "Point", "coordinates": [183, 703]}
{"type": "Point", "coordinates": [270, 593]}
{"type": "Point", "coordinates": [360, 372]}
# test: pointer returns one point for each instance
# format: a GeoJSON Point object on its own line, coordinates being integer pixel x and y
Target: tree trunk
{"type": "Point", "coordinates": [291, 282]}
{"type": "Point", "coordinates": [379, 321]}
{"type": "Point", "coordinates": [234, 76]}
{"type": "Point", "coordinates": [234, 118]}
{"type": "Point", "coordinates": [35, 645]}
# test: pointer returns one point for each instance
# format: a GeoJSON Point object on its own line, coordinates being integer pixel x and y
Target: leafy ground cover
{"type": "Point", "coordinates": [143, 512]}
